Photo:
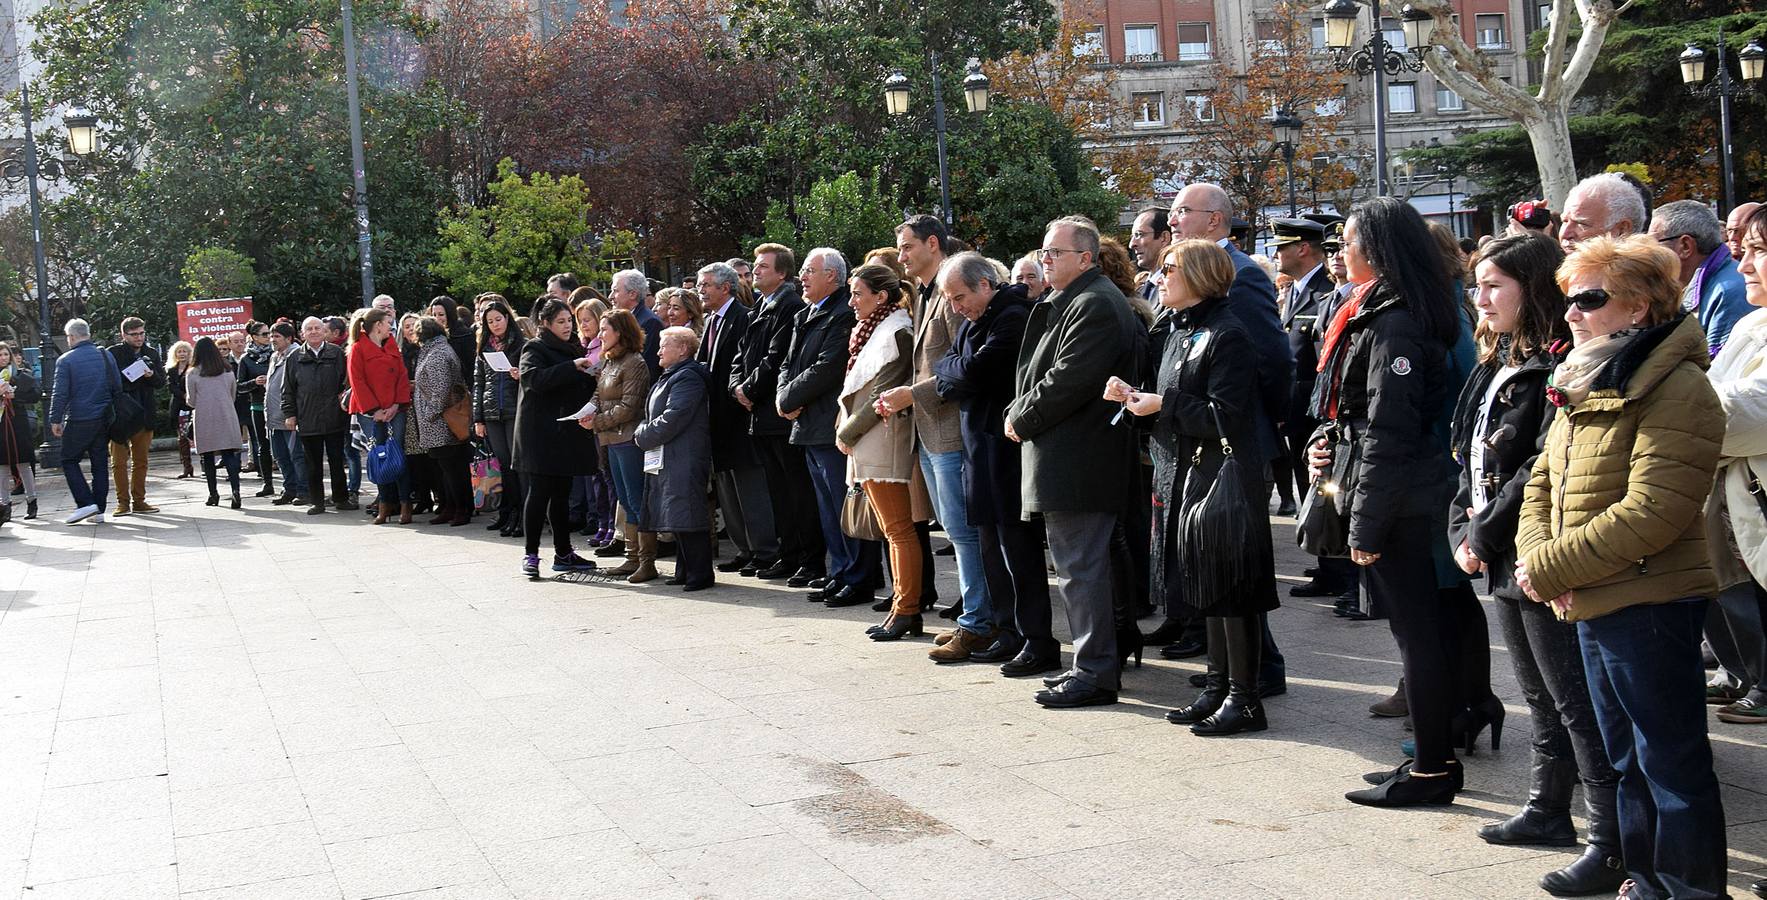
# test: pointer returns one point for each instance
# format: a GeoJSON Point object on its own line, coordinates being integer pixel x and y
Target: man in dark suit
{"type": "Point", "coordinates": [809, 391]}
{"type": "Point", "coordinates": [754, 379]}
{"type": "Point", "coordinates": [1205, 212]}
{"type": "Point", "coordinates": [737, 477]}
{"type": "Point", "coordinates": [1299, 255]}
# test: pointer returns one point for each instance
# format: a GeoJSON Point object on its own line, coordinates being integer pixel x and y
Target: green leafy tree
{"type": "Point", "coordinates": [851, 215]}
{"type": "Point", "coordinates": [219, 272]}
{"type": "Point", "coordinates": [530, 229]}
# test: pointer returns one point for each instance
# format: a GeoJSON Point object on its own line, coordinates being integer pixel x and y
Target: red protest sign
{"type": "Point", "coordinates": [213, 318]}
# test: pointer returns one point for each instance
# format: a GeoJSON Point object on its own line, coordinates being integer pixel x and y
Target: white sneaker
{"type": "Point", "coordinates": [84, 513]}
{"type": "Point", "coordinates": [97, 520]}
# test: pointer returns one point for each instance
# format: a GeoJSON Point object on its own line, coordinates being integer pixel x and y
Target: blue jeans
{"type": "Point", "coordinates": [828, 475]}
{"type": "Point", "coordinates": [626, 464]}
{"type": "Point", "coordinates": [1648, 686]}
{"type": "Point", "coordinates": [291, 458]}
{"type": "Point", "coordinates": [398, 491]}
{"type": "Point", "coordinates": [944, 481]}
{"type": "Point", "coordinates": [82, 440]}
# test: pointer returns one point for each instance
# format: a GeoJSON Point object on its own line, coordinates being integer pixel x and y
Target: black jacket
{"type": "Point", "coordinates": [465, 344]}
{"type": "Point", "coordinates": [814, 368]}
{"type": "Point", "coordinates": [141, 389]}
{"type": "Point", "coordinates": [977, 374]}
{"type": "Point", "coordinates": [1253, 300]}
{"type": "Point", "coordinates": [551, 387]}
{"type": "Point", "coordinates": [253, 363]}
{"type": "Point", "coordinates": [761, 356]}
{"type": "Point", "coordinates": [1515, 435]}
{"type": "Point", "coordinates": [312, 387]}
{"type": "Point", "coordinates": [17, 443]}
{"type": "Point", "coordinates": [731, 447]}
{"type": "Point", "coordinates": [1393, 388]}
{"type": "Point", "coordinates": [493, 392]}
{"type": "Point", "coordinates": [1304, 319]}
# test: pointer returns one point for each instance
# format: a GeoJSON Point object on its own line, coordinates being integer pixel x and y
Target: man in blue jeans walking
{"type": "Point", "coordinates": [79, 413]}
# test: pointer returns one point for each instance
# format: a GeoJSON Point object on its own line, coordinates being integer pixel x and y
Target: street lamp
{"type": "Point", "coordinates": [1377, 58]}
{"type": "Point", "coordinates": [1693, 74]}
{"type": "Point", "coordinates": [975, 98]}
{"type": "Point", "coordinates": [24, 166]}
{"type": "Point", "coordinates": [1287, 128]}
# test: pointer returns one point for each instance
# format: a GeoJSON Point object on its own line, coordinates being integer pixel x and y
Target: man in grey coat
{"type": "Point", "coordinates": [1077, 460]}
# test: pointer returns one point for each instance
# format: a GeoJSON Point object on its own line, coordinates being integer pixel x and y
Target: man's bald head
{"type": "Point", "coordinates": [1733, 227]}
{"type": "Point", "coordinates": [1203, 211]}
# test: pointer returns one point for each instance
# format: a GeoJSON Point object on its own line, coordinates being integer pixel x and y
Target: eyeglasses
{"type": "Point", "coordinates": [1589, 300]}
{"type": "Point", "coordinates": [1053, 252]}
{"type": "Point", "coordinates": [1186, 210]}
{"type": "Point", "coordinates": [134, 333]}
{"type": "Point", "coordinates": [1671, 238]}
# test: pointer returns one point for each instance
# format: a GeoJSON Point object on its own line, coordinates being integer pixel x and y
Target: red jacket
{"type": "Point", "coordinates": [377, 376]}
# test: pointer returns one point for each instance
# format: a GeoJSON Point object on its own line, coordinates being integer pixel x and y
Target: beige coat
{"type": "Point", "coordinates": [620, 391]}
{"type": "Point", "coordinates": [936, 420]}
{"type": "Point", "coordinates": [878, 449]}
{"type": "Point", "coordinates": [1736, 528]}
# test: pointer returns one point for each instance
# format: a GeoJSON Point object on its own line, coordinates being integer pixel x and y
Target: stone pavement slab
{"type": "Point", "coordinates": [206, 703]}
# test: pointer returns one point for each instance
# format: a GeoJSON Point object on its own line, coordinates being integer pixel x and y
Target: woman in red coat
{"type": "Point", "coordinates": [380, 392]}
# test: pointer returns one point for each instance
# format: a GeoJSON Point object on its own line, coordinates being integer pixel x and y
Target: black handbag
{"type": "Point", "coordinates": [1323, 526]}
{"type": "Point", "coordinates": [1214, 526]}
{"type": "Point", "coordinates": [126, 417]}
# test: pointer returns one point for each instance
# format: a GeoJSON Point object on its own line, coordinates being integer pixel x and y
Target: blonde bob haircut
{"type": "Point", "coordinates": [1203, 266]}
{"type": "Point", "coordinates": [1636, 271]}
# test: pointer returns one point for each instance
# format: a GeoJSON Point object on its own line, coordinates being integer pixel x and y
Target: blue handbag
{"type": "Point", "coordinates": [386, 459]}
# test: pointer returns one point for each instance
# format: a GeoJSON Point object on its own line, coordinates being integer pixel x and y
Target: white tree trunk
{"type": "Point", "coordinates": [1551, 137]}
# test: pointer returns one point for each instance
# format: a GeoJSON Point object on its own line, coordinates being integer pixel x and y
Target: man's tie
{"type": "Point", "coordinates": [711, 339]}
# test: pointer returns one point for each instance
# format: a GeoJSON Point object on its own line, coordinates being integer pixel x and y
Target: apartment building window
{"type": "Point", "coordinates": [1402, 98]}
{"type": "Point", "coordinates": [1200, 105]}
{"type": "Point", "coordinates": [1270, 36]}
{"type": "Point", "coordinates": [1543, 15]}
{"type": "Point", "coordinates": [1395, 36]}
{"type": "Point", "coordinates": [1317, 32]}
{"type": "Point", "coordinates": [1328, 107]}
{"type": "Point", "coordinates": [1193, 42]}
{"type": "Point", "coordinates": [1448, 101]}
{"type": "Point", "coordinates": [1150, 108]}
{"type": "Point", "coordinates": [1090, 45]}
{"type": "Point", "coordinates": [1491, 33]}
{"type": "Point", "coordinates": [1141, 43]}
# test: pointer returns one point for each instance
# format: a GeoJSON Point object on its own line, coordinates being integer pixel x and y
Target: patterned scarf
{"type": "Point", "coordinates": [862, 331]}
{"type": "Point", "coordinates": [1324, 402]}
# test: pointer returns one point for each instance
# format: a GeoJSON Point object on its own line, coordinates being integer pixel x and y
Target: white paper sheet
{"type": "Point", "coordinates": [497, 361]}
{"type": "Point", "coordinates": [584, 413]}
{"type": "Point", "coordinates": [653, 461]}
{"type": "Point", "coordinates": [136, 370]}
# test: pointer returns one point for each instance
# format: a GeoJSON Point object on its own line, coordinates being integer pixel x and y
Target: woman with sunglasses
{"type": "Point", "coordinates": [1384, 382]}
{"type": "Point", "coordinates": [1498, 423]}
{"type": "Point", "coordinates": [1612, 538]}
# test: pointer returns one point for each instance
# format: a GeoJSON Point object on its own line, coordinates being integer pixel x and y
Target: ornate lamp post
{"type": "Point", "coordinates": [1287, 128]}
{"type": "Point", "coordinates": [1378, 58]}
{"type": "Point", "coordinates": [975, 98]}
{"type": "Point", "coordinates": [1693, 74]}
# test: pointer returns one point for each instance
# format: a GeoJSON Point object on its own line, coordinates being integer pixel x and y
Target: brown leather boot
{"type": "Point", "coordinates": [1394, 707]}
{"type": "Point", "coordinates": [646, 559]}
{"type": "Point", "coordinates": [959, 647]}
{"type": "Point", "coordinates": [404, 513]}
{"type": "Point", "coordinates": [631, 563]}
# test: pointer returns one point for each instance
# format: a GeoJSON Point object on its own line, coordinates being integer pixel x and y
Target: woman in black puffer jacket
{"type": "Point", "coordinates": [493, 404]}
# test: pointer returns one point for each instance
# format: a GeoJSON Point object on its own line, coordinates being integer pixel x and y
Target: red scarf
{"type": "Point", "coordinates": [1328, 357]}
{"type": "Point", "coordinates": [862, 331]}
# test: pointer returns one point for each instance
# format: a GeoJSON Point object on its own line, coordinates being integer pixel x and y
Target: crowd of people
{"type": "Point", "coordinates": [1574, 412]}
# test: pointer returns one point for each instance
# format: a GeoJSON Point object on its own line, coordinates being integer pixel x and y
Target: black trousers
{"type": "Point", "coordinates": [1548, 662]}
{"type": "Point", "coordinates": [327, 449]}
{"type": "Point", "coordinates": [228, 458]}
{"type": "Point", "coordinates": [260, 441]}
{"type": "Point", "coordinates": [501, 436]}
{"type": "Point", "coordinates": [794, 501]}
{"type": "Point", "coordinates": [1018, 585]}
{"type": "Point", "coordinates": [549, 501]}
{"type": "Point", "coordinates": [1427, 630]}
{"type": "Point", "coordinates": [453, 463]}
{"type": "Point", "coordinates": [693, 557]}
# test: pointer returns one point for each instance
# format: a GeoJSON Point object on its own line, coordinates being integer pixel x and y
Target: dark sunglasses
{"type": "Point", "coordinates": [1589, 300]}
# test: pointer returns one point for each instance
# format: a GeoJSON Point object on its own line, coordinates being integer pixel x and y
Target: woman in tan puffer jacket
{"type": "Point", "coordinates": [1612, 536]}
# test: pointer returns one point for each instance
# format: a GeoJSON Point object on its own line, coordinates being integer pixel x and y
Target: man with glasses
{"type": "Point", "coordinates": [1711, 286]}
{"type": "Point", "coordinates": [1076, 459]}
{"type": "Point", "coordinates": [1148, 240]}
{"type": "Point", "coordinates": [128, 458]}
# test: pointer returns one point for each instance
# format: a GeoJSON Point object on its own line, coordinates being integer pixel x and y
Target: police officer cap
{"type": "Point", "coordinates": [1334, 237]}
{"type": "Point", "coordinates": [1290, 231]}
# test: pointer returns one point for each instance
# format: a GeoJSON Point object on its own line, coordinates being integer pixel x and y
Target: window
{"type": "Point", "coordinates": [1141, 43]}
{"type": "Point", "coordinates": [1193, 42]}
{"type": "Point", "coordinates": [1543, 15]}
{"type": "Point", "coordinates": [1270, 36]}
{"type": "Point", "coordinates": [1090, 45]}
{"type": "Point", "coordinates": [1328, 107]}
{"type": "Point", "coordinates": [1201, 106]}
{"type": "Point", "coordinates": [1401, 98]}
{"type": "Point", "coordinates": [1150, 108]}
{"type": "Point", "coordinates": [1317, 32]}
{"type": "Point", "coordinates": [1394, 34]}
{"type": "Point", "coordinates": [1491, 33]}
{"type": "Point", "coordinates": [1448, 101]}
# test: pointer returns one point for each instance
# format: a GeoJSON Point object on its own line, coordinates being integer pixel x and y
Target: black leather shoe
{"type": "Point", "coordinates": [735, 565]}
{"type": "Point", "coordinates": [1205, 706]}
{"type": "Point", "coordinates": [1199, 680]}
{"type": "Point", "coordinates": [1234, 716]}
{"type": "Point", "coordinates": [1313, 589]}
{"type": "Point", "coordinates": [850, 595]}
{"type": "Point", "coordinates": [805, 578]}
{"type": "Point", "coordinates": [1004, 649]}
{"type": "Point", "coordinates": [676, 581]}
{"type": "Point", "coordinates": [952, 611]}
{"type": "Point", "coordinates": [899, 627]}
{"type": "Point", "coordinates": [778, 570]}
{"type": "Point", "coordinates": [1055, 681]}
{"type": "Point", "coordinates": [1407, 789]}
{"type": "Point", "coordinates": [817, 595]}
{"type": "Point", "coordinates": [1184, 650]}
{"type": "Point", "coordinates": [1026, 664]}
{"type": "Point", "coordinates": [756, 567]}
{"type": "Point", "coordinates": [1073, 693]}
{"type": "Point", "coordinates": [265, 491]}
{"type": "Point", "coordinates": [1311, 572]}
{"type": "Point", "coordinates": [1760, 888]}
{"type": "Point", "coordinates": [692, 586]}
{"type": "Point", "coordinates": [1272, 688]}
{"type": "Point", "coordinates": [1287, 508]}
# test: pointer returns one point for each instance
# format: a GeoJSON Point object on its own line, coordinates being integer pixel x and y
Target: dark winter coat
{"type": "Point", "coordinates": [976, 374]}
{"type": "Point", "coordinates": [312, 387]}
{"type": "Point", "coordinates": [731, 447]}
{"type": "Point", "coordinates": [494, 393]}
{"type": "Point", "coordinates": [252, 364]}
{"type": "Point", "coordinates": [1514, 433]}
{"type": "Point", "coordinates": [815, 366]}
{"type": "Point", "coordinates": [551, 387]}
{"type": "Point", "coordinates": [1253, 299]}
{"type": "Point", "coordinates": [678, 419]}
{"type": "Point", "coordinates": [762, 355]}
{"type": "Point", "coordinates": [141, 389]}
{"type": "Point", "coordinates": [18, 444]}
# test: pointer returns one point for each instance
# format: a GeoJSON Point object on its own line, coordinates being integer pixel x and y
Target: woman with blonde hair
{"type": "Point", "coordinates": [1612, 537]}
{"type": "Point", "coordinates": [681, 308]}
{"type": "Point", "coordinates": [179, 359]}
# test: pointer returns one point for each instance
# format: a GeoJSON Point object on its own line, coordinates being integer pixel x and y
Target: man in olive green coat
{"type": "Point", "coordinates": [1076, 458]}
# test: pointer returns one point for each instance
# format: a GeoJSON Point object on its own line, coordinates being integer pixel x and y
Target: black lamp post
{"type": "Point", "coordinates": [1693, 73]}
{"type": "Point", "coordinates": [1377, 58]}
{"type": "Point", "coordinates": [24, 166]}
{"type": "Point", "coordinates": [1287, 128]}
{"type": "Point", "coordinates": [975, 98]}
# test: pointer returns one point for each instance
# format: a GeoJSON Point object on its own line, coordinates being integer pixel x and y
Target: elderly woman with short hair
{"type": "Point", "coordinates": [1611, 536]}
{"type": "Point", "coordinates": [676, 435]}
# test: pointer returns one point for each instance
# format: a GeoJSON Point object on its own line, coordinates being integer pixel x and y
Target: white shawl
{"type": "Point", "coordinates": [879, 351]}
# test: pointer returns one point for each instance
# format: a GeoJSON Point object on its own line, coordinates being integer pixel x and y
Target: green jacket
{"type": "Point", "coordinates": [1612, 511]}
{"type": "Point", "coordinates": [1075, 459]}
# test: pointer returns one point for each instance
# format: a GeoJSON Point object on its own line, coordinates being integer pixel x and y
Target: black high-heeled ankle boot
{"type": "Point", "coordinates": [1130, 643]}
{"type": "Point", "coordinates": [1488, 711]}
{"type": "Point", "coordinates": [1204, 706]}
{"type": "Point", "coordinates": [1168, 633]}
{"type": "Point", "coordinates": [1240, 712]}
{"type": "Point", "coordinates": [897, 627]}
{"type": "Point", "coordinates": [1408, 789]}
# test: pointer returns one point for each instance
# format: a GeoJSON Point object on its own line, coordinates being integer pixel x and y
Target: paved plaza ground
{"type": "Point", "coordinates": [206, 703]}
